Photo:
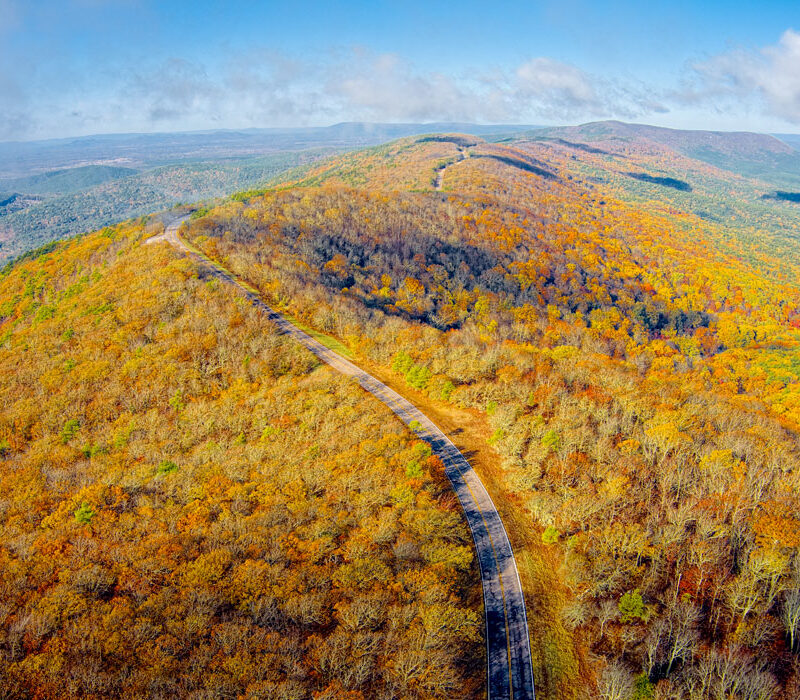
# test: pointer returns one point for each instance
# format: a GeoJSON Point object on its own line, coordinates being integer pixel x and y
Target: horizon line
{"type": "Point", "coordinates": [318, 127]}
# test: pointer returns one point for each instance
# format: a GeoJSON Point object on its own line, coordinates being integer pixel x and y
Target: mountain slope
{"type": "Point", "coordinates": [191, 505]}
{"type": "Point", "coordinates": [508, 653]}
{"type": "Point", "coordinates": [637, 373]}
{"type": "Point", "coordinates": [67, 181]}
{"type": "Point", "coordinates": [792, 139]}
{"type": "Point", "coordinates": [172, 168]}
{"type": "Point", "coordinates": [752, 155]}
{"type": "Point", "coordinates": [19, 159]}
{"type": "Point", "coordinates": [615, 353]}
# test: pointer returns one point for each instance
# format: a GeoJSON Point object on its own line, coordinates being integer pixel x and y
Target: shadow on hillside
{"type": "Point", "coordinates": [672, 182]}
{"type": "Point", "coordinates": [783, 196]}
{"type": "Point", "coordinates": [457, 140]}
{"type": "Point", "coordinates": [520, 165]}
{"type": "Point", "coordinates": [584, 147]}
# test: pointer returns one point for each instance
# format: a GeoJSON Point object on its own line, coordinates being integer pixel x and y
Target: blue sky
{"type": "Point", "coordinates": [72, 67]}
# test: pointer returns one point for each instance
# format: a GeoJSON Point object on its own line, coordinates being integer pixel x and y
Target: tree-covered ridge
{"type": "Point", "coordinates": [635, 361]}
{"type": "Point", "coordinates": [639, 379]}
{"type": "Point", "coordinates": [749, 154]}
{"type": "Point", "coordinates": [83, 199]}
{"type": "Point", "coordinates": [729, 209]}
{"type": "Point", "coordinates": [66, 180]}
{"type": "Point", "coordinates": [407, 164]}
{"type": "Point", "coordinates": [191, 506]}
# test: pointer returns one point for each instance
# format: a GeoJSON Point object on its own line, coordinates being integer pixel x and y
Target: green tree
{"type": "Point", "coordinates": [631, 606]}
{"type": "Point", "coordinates": [551, 439]}
{"type": "Point", "coordinates": [550, 535]}
{"type": "Point", "coordinates": [167, 467]}
{"type": "Point", "coordinates": [70, 430]}
{"type": "Point", "coordinates": [84, 514]}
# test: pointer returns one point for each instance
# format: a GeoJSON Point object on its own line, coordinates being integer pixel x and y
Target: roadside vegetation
{"type": "Point", "coordinates": [192, 507]}
{"type": "Point", "coordinates": [616, 355]}
{"type": "Point", "coordinates": [635, 377]}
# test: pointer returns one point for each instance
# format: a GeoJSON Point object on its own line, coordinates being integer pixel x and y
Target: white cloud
{"type": "Point", "coordinates": [562, 91]}
{"type": "Point", "coordinates": [385, 87]}
{"type": "Point", "coordinates": [388, 88]}
{"type": "Point", "coordinates": [544, 76]}
{"type": "Point", "coordinates": [173, 90]}
{"type": "Point", "coordinates": [265, 88]}
{"type": "Point", "coordinates": [771, 75]}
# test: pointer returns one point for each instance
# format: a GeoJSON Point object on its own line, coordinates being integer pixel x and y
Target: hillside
{"type": "Point", "coordinates": [68, 180]}
{"type": "Point", "coordinates": [739, 144]}
{"type": "Point", "coordinates": [751, 155]}
{"type": "Point", "coordinates": [746, 217]}
{"type": "Point", "coordinates": [608, 329]}
{"type": "Point", "coordinates": [636, 372]}
{"type": "Point", "coordinates": [14, 201]}
{"type": "Point", "coordinates": [61, 187]}
{"type": "Point", "coordinates": [142, 151]}
{"type": "Point", "coordinates": [792, 139]}
{"type": "Point", "coordinates": [191, 505]}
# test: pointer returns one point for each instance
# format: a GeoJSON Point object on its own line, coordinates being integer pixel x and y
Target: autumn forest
{"type": "Point", "coordinates": [193, 505]}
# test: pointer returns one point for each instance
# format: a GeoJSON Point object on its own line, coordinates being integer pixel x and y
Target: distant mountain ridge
{"type": "Point", "coordinates": [66, 180]}
{"type": "Point", "coordinates": [750, 154]}
{"type": "Point", "coordinates": [792, 139]}
{"type": "Point", "coordinates": [685, 141]}
{"type": "Point", "coordinates": [22, 158]}
{"type": "Point", "coordinates": [60, 187]}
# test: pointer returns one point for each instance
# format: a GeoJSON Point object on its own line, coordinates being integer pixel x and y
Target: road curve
{"type": "Point", "coordinates": [509, 668]}
{"type": "Point", "coordinates": [438, 180]}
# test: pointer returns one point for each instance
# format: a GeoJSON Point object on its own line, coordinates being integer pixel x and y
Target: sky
{"type": "Point", "coordinates": [79, 67]}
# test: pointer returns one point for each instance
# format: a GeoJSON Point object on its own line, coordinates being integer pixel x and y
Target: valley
{"type": "Point", "coordinates": [62, 187]}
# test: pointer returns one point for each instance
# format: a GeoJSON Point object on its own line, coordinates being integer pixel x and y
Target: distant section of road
{"type": "Point", "coordinates": [509, 668]}
{"type": "Point", "coordinates": [463, 154]}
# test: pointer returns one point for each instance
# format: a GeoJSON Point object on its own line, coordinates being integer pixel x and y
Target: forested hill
{"type": "Point", "coordinates": [61, 187]}
{"type": "Point", "coordinates": [67, 180]}
{"type": "Point", "coordinates": [609, 329]}
{"type": "Point", "coordinates": [632, 345]}
{"type": "Point", "coordinates": [191, 506]}
{"type": "Point", "coordinates": [741, 144]}
{"type": "Point", "coordinates": [745, 153]}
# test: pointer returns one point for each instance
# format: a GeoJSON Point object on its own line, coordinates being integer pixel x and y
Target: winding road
{"type": "Point", "coordinates": [509, 668]}
{"type": "Point", "coordinates": [438, 181]}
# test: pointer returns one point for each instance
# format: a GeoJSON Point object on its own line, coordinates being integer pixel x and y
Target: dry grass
{"type": "Point", "coordinates": [327, 340]}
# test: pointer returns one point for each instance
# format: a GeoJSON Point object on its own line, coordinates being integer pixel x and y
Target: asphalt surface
{"type": "Point", "coordinates": [509, 668]}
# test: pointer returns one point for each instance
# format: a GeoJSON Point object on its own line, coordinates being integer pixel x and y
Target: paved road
{"type": "Point", "coordinates": [510, 673]}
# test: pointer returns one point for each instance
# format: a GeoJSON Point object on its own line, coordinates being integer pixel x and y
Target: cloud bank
{"type": "Point", "coordinates": [771, 75]}
{"type": "Point", "coordinates": [270, 89]}
{"type": "Point", "coordinates": [262, 88]}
